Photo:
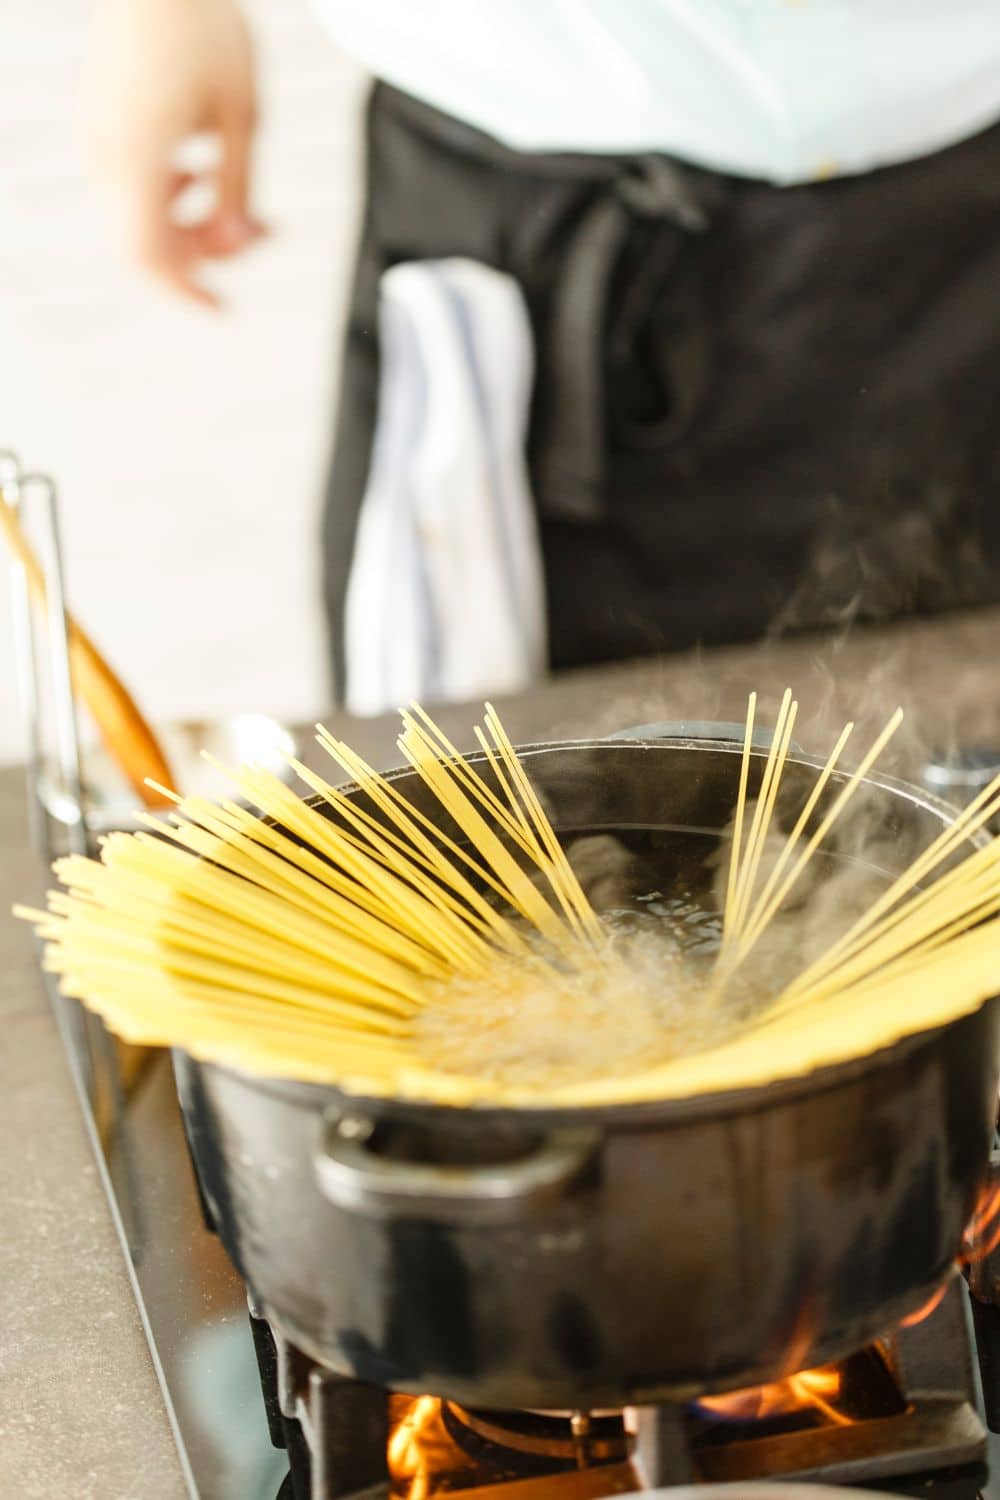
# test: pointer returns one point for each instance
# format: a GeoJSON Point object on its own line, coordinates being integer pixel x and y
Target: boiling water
{"type": "Point", "coordinates": [642, 1001]}
{"type": "Point", "coordinates": [659, 896]}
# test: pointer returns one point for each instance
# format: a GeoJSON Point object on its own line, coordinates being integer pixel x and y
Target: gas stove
{"type": "Point", "coordinates": [255, 1418]}
{"type": "Point", "coordinates": [905, 1416]}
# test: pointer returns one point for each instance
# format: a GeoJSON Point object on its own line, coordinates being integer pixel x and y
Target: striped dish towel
{"type": "Point", "coordinates": [446, 598]}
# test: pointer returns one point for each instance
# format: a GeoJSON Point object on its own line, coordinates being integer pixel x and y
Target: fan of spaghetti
{"type": "Point", "coordinates": [316, 939]}
{"type": "Point", "coordinates": [924, 953]}
{"type": "Point", "coordinates": [304, 943]}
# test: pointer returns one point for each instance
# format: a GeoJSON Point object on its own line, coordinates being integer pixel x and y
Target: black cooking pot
{"type": "Point", "coordinates": [604, 1256]}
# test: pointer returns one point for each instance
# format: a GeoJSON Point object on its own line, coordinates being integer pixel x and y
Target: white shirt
{"type": "Point", "coordinates": [784, 90]}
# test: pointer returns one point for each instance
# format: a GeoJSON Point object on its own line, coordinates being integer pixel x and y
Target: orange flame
{"type": "Point", "coordinates": [409, 1453]}
{"type": "Point", "coordinates": [980, 1238]}
{"type": "Point", "coordinates": [982, 1233]}
{"type": "Point", "coordinates": [925, 1309]}
{"type": "Point", "coordinates": [815, 1390]}
{"type": "Point", "coordinates": [800, 1341]}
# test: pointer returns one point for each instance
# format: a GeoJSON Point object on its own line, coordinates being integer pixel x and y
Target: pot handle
{"type": "Point", "coordinates": [699, 729]}
{"type": "Point", "coordinates": [354, 1177]}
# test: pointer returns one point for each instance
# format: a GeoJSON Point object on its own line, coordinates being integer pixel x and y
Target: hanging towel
{"type": "Point", "coordinates": [445, 601]}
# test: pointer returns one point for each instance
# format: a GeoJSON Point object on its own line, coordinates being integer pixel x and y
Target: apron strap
{"type": "Point", "coordinates": [571, 454]}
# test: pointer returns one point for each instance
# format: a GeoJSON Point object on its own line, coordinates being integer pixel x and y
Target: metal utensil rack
{"type": "Point", "coordinates": [45, 665]}
{"type": "Point", "coordinates": [46, 692]}
{"type": "Point", "coordinates": [191, 1303]}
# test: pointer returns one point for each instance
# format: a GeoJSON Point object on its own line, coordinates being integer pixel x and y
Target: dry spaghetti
{"type": "Point", "coordinates": [336, 939]}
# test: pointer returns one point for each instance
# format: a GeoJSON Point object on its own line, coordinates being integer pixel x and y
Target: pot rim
{"type": "Point", "coordinates": [726, 1102]}
{"type": "Point", "coordinates": [723, 1103]}
{"type": "Point", "coordinates": [909, 791]}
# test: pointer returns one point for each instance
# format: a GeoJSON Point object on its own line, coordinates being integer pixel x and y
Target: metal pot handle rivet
{"type": "Point", "coordinates": [354, 1177]}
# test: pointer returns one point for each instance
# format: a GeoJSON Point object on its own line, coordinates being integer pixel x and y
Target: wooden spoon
{"type": "Point", "coordinates": [126, 735]}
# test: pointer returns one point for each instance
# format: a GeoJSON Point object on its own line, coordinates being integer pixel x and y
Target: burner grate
{"type": "Point", "coordinates": [929, 1425]}
{"type": "Point", "coordinates": [906, 1420]}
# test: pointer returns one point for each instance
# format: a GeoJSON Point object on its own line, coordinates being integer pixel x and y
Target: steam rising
{"type": "Point", "coordinates": [869, 567]}
{"type": "Point", "coordinates": [864, 850]}
{"type": "Point", "coordinates": [663, 917]}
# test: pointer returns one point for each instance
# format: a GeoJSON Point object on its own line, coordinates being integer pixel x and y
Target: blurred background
{"type": "Point", "coordinates": [669, 330]}
{"type": "Point", "coordinates": [178, 438]}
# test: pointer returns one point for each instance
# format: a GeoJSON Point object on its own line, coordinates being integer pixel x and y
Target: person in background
{"type": "Point", "coordinates": [759, 246]}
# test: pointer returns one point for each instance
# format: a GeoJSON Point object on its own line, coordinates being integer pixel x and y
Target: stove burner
{"type": "Point", "coordinates": [439, 1447]}
{"type": "Point", "coordinates": [579, 1438]}
{"type": "Point", "coordinates": [858, 1389]}
{"type": "Point", "coordinates": [901, 1417]}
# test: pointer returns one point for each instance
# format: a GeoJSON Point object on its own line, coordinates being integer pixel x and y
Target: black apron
{"type": "Point", "coordinates": [757, 409]}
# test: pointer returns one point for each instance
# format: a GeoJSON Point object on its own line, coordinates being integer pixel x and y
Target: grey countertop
{"type": "Point", "coordinates": [80, 1408]}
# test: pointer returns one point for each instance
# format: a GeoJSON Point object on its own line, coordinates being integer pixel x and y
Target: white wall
{"type": "Point", "coordinates": [188, 449]}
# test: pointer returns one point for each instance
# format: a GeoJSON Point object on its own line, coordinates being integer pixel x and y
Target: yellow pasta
{"type": "Point", "coordinates": [307, 938]}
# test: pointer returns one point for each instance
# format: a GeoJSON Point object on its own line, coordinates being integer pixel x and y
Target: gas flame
{"type": "Point", "coordinates": [980, 1238]}
{"type": "Point", "coordinates": [408, 1451]}
{"type": "Point", "coordinates": [926, 1308]}
{"type": "Point", "coordinates": [809, 1390]}
{"type": "Point", "coordinates": [418, 1435]}
{"type": "Point", "coordinates": [982, 1233]}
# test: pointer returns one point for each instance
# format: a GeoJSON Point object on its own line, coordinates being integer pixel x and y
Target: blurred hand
{"type": "Point", "coordinates": [158, 73]}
